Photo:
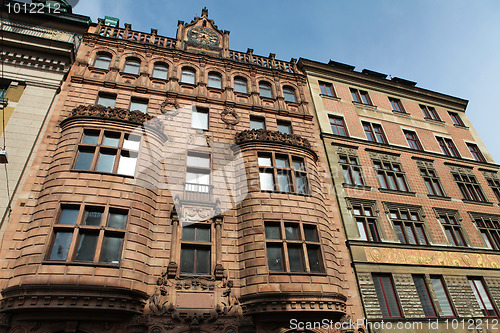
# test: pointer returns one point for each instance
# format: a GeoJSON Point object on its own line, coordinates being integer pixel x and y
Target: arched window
{"type": "Point", "coordinates": [132, 66]}
{"type": "Point", "coordinates": [289, 94]}
{"type": "Point", "coordinates": [265, 89]}
{"type": "Point", "coordinates": [214, 80]}
{"type": "Point", "coordinates": [103, 60]}
{"type": "Point", "coordinates": [188, 75]}
{"type": "Point", "coordinates": [240, 85]}
{"type": "Point", "coordinates": [160, 71]}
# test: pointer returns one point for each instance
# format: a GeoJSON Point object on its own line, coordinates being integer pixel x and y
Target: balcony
{"type": "Point", "coordinates": [198, 193]}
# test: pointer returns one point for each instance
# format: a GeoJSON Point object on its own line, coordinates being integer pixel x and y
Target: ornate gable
{"type": "Point", "coordinates": [202, 35]}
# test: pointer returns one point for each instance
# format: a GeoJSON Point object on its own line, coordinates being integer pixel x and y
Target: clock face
{"type": "Point", "coordinates": [204, 36]}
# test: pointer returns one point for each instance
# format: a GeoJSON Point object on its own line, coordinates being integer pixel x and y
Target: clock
{"type": "Point", "coordinates": [203, 36]}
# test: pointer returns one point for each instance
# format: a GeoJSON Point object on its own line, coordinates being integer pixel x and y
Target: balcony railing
{"type": "Point", "coordinates": [198, 193]}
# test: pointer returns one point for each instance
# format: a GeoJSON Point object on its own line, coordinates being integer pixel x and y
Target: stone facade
{"type": "Point", "coordinates": [90, 186]}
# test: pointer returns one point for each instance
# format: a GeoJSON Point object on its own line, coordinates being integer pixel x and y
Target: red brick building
{"type": "Point", "coordinates": [124, 225]}
{"type": "Point", "coordinates": [419, 198]}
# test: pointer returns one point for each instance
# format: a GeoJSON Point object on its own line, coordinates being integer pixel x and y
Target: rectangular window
{"type": "Point", "coordinates": [489, 227]}
{"type": "Point", "coordinates": [430, 112]}
{"type": "Point", "coordinates": [89, 234]}
{"type": "Point", "coordinates": [366, 222]}
{"type": "Point", "coordinates": [196, 247]}
{"type": "Point", "coordinates": [442, 296]}
{"type": "Point", "coordinates": [386, 294]}
{"type": "Point", "coordinates": [397, 105]}
{"type": "Point", "coordinates": [391, 176]}
{"type": "Point", "coordinates": [424, 295]}
{"type": "Point", "coordinates": [476, 153]}
{"type": "Point", "coordinates": [199, 118]}
{"type": "Point", "coordinates": [432, 182]}
{"type": "Point", "coordinates": [409, 226]}
{"type": "Point", "coordinates": [283, 173]}
{"type": "Point", "coordinates": [327, 89]}
{"type": "Point", "coordinates": [139, 104]}
{"type": "Point", "coordinates": [107, 100]}
{"type": "Point", "coordinates": [198, 173]}
{"type": "Point", "coordinates": [452, 228]}
{"type": "Point", "coordinates": [284, 126]}
{"type": "Point", "coordinates": [352, 170]}
{"type": "Point", "coordinates": [469, 187]}
{"type": "Point", "coordinates": [494, 184]}
{"type": "Point", "coordinates": [338, 125]}
{"type": "Point", "coordinates": [107, 151]}
{"type": "Point", "coordinates": [360, 96]}
{"type": "Point", "coordinates": [455, 118]}
{"type": "Point", "coordinates": [413, 140]}
{"type": "Point", "coordinates": [293, 247]}
{"type": "Point", "coordinates": [483, 298]}
{"type": "Point", "coordinates": [448, 147]}
{"type": "Point", "coordinates": [257, 123]}
{"type": "Point", "coordinates": [374, 132]}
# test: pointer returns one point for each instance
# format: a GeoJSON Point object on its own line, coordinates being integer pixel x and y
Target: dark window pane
{"type": "Point", "coordinates": [399, 232]}
{"type": "Point", "coordinates": [111, 139]}
{"type": "Point", "coordinates": [292, 232]}
{"type": "Point", "coordinates": [69, 216]}
{"type": "Point", "coordinates": [187, 260]}
{"type": "Point", "coordinates": [421, 235]}
{"type": "Point", "coordinates": [90, 137]}
{"type": "Point", "coordinates": [202, 234]}
{"type": "Point", "coordinates": [240, 85]}
{"type": "Point", "coordinates": [296, 258]}
{"type": "Point", "coordinates": [117, 219]}
{"type": "Point", "coordinates": [188, 233]}
{"type": "Point", "coordinates": [61, 246]}
{"type": "Point", "coordinates": [257, 123]}
{"type": "Point", "coordinates": [111, 249]}
{"type": "Point", "coordinates": [285, 182]}
{"type": "Point", "coordinates": [314, 258]}
{"type": "Point", "coordinates": [275, 258]}
{"type": "Point", "coordinates": [298, 164]}
{"type": "Point", "coordinates": [411, 235]}
{"type": "Point", "coordinates": [282, 161]}
{"type": "Point", "coordinates": [86, 248]}
{"type": "Point", "coordinates": [424, 296]}
{"type": "Point", "coordinates": [84, 161]}
{"type": "Point", "coordinates": [93, 216]}
{"type": "Point", "coordinates": [106, 161]}
{"type": "Point", "coordinates": [202, 261]}
{"type": "Point", "coordinates": [273, 232]}
{"type": "Point", "coordinates": [310, 234]}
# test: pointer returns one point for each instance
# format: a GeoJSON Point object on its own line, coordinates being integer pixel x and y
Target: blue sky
{"type": "Point", "coordinates": [449, 46]}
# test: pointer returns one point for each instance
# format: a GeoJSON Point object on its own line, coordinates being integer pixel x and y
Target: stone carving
{"type": "Point", "coordinates": [170, 102]}
{"type": "Point", "coordinates": [457, 169]}
{"type": "Point", "coordinates": [196, 213]}
{"type": "Point", "coordinates": [424, 164]}
{"type": "Point", "coordinates": [229, 117]}
{"type": "Point", "coordinates": [383, 157]}
{"type": "Point", "coordinates": [347, 151]}
{"type": "Point", "coordinates": [99, 111]}
{"type": "Point", "coordinates": [272, 136]}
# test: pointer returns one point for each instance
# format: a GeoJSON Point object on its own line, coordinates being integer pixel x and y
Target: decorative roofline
{"type": "Point", "coordinates": [99, 111]}
{"type": "Point", "coordinates": [273, 136]}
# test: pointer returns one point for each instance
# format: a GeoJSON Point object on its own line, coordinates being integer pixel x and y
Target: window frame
{"type": "Point", "coordinates": [160, 67]}
{"type": "Point", "coordinates": [351, 168]}
{"type": "Point", "coordinates": [426, 295]}
{"type": "Point", "coordinates": [79, 228]}
{"type": "Point", "coordinates": [403, 225]}
{"type": "Point", "coordinates": [186, 73]}
{"type": "Point", "coordinates": [132, 66]}
{"type": "Point", "coordinates": [450, 222]}
{"type": "Point", "coordinates": [397, 105]}
{"type": "Point", "coordinates": [469, 187]}
{"type": "Point", "coordinates": [100, 59]}
{"type": "Point", "coordinates": [475, 152]}
{"type": "Point", "coordinates": [198, 187]}
{"type": "Point", "coordinates": [432, 181]}
{"type": "Point", "coordinates": [430, 112]}
{"type": "Point", "coordinates": [197, 246]}
{"type": "Point", "coordinates": [200, 110]}
{"type": "Point", "coordinates": [439, 278]}
{"type": "Point", "coordinates": [368, 223]}
{"type": "Point", "coordinates": [107, 96]}
{"type": "Point", "coordinates": [240, 79]}
{"type": "Point", "coordinates": [99, 146]}
{"type": "Point", "coordinates": [413, 140]}
{"type": "Point", "coordinates": [280, 123]}
{"type": "Point", "coordinates": [337, 125]}
{"type": "Point", "coordinates": [360, 96]}
{"type": "Point", "coordinates": [327, 89]}
{"type": "Point", "coordinates": [289, 94]}
{"type": "Point", "coordinates": [456, 119]}
{"type": "Point", "coordinates": [214, 77]}
{"type": "Point", "coordinates": [372, 130]}
{"type": "Point", "coordinates": [140, 104]}
{"type": "Point", "coordinates": [448, 147]}
{"type": "Point", "coordinates": [305, 245]}
{"type": "Point", "coordinates": [494, 184]}
{"type": "Point", "coordinates": [387, 170]}
{"type": "Point", "coordinates": [259, 120]}
{"type": "Point", "coordinates": [489, 229]}
{"type": "Point", "coordinates": [290, 171]}
{"type": "Point", "coordinates": [380, 289]}
{"type": "Point", "coordinates": [265, 86]}
{"type": "Point", "coordinates": [479, 298]}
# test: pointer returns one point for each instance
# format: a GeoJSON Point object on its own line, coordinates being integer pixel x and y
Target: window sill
{"type": "Point", "coordinates": [405, 114]}
{"type": "Point", "coordinates": [76, 263]}
{"type": "Point", "coordinates": [386, 190]}
{"type": "Point", "coordinates": [268, 99]}
{"type": "Point", "coordinates": [358, 187]}
{"type": "Point", "coordinates": [298, 273]}
{"type": "Point", "coordinates": [129, 75]}
{"type": "Point", "coordinates": [434, 120]}
{"type": "Point", "coordinates": [241, 94]}
{"type": "Point", "coordinates": [430, 196]}
{"type": "Point", "coordinates": [335, 98]}
{"type": "Point", "coordinates": [158, 79]}
{"type": "Point", "coordinates": [484, 203]}
{"type": "Point", "coordinates": [187, 84]}
{"type": "Point", "coordinates": [370, 106]}
{"type": "Point", "coordinates": [97, 69]}
{"type": "Point", "coordinates": [102, 173]}
{"type": "Point", "coordinates": [214, 89]}
{"type": "Point", "coordinates": [195, 275]}
{"type": "Point", "coordinates": [461, 126]}
{"type": "Point", "coordinates": [292, 103]}
{"type": "Point", "coordinates": [292, 193]}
